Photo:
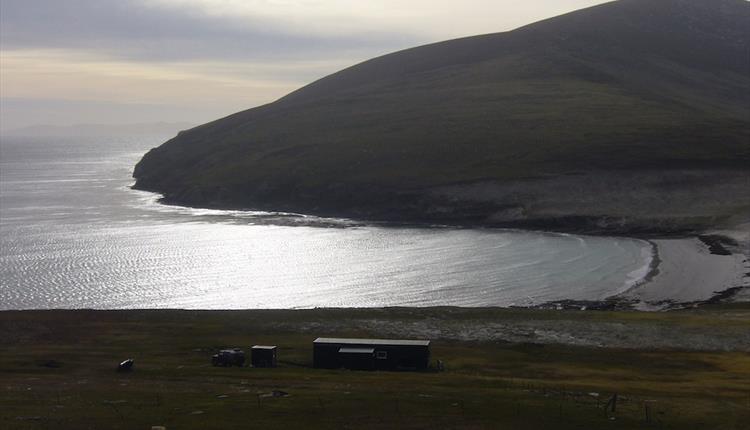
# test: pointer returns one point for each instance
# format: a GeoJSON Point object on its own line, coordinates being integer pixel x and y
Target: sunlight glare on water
{"type": "Point", "coordinates": [74, 235]}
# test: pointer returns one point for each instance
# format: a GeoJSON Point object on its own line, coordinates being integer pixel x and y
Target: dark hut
{"type": "Point", "coordinates": [371, 354]}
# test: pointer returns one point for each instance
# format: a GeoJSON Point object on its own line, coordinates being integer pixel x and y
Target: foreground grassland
{"type": "Point", "coordinates": [57, 371]}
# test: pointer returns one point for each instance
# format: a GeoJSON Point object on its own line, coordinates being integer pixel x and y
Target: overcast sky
{"type": "Point", "coordinates": [127, 61]}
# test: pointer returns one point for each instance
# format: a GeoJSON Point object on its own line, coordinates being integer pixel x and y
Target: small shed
{"type": "Point", "coordinates": [371, 354]}
{"type": "Point", "coordinates": [263, 356]}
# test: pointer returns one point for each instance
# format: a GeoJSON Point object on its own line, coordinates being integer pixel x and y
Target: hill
{"type": "Point", "coordinates": [630, 115]}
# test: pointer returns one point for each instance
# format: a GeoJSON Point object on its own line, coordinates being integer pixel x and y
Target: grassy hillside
{"type": "Point", "coordinates": [629, 85]}
{"type": "Point", "coordinates": [58, 371]}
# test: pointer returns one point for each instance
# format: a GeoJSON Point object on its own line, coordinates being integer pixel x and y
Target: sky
{"type": "Point", "coordinates": [65, 62]}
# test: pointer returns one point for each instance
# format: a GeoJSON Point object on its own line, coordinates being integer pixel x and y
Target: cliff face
{"type": "Point", "coordinates": [650, 89]}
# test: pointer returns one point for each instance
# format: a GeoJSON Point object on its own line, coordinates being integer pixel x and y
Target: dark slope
{"type": "Point", "coordinates": [629, 86]}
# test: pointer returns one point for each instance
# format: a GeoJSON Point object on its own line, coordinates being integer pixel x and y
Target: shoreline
{"type": "Point", "coordinates": [683, 273]}
{"type": "Point", "coordinates": [597, 226]}
{"type": "Point", "coordinates": [584, 225]}
{"type": "Point", "coordinates": [573, 225]}
{"type": "Point", "coordinates": [600, 226]}
{"type": "Point", "coordinates": [687, 268]}
{"type": "Point", "coordinates": [691, 271]}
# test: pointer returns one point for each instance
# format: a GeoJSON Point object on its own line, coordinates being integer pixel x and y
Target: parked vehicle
{"type": "Point", "coordinates": [229, 358]}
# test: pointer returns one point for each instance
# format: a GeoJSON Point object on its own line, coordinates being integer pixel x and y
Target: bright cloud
{"type": "Point", "coordinates": [213, 54]}
{"type": "Point", "coordinates": [433, 18]}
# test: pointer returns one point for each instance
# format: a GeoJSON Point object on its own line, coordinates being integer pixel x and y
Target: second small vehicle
{"type": "Point", "coordinates": [229, 358]}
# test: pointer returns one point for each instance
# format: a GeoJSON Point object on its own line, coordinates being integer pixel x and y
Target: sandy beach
{"type": "Point", "coordinates": [688, 272]}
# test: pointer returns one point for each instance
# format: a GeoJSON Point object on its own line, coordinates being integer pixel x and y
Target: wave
{"type": "Point", "coordinates": [152, 202]}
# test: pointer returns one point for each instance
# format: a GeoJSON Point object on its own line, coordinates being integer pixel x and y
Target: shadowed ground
{"type": "Point", "coordinates": [58, 370]}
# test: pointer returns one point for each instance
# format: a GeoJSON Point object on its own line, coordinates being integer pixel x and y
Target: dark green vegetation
{"type": "Point", "coordinates": [57, 371]}
{"type": "Point", "coordinates": [634, 95]}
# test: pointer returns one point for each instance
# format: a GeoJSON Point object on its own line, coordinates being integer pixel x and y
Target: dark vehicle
{"type": "Point", "coordinates": [126, 366]}
{"type": "Point", "coordinates": [229, 358]}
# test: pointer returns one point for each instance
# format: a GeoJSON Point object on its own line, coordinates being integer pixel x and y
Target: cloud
{"type": "Point", "coordinates": [432, 19]}
{"type": "Point", "coordinates": [75, 76]}
{"type": "Point", "coordinates": [170, 31]}
{"type": "Point", "coordinates": [199, 59]}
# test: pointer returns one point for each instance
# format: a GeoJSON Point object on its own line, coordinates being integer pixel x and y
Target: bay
{"type": "Point", "coordinates": [73, 234]}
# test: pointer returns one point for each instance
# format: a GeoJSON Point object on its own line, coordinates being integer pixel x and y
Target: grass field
{"type": "Point", "coordinates": [57, 371]}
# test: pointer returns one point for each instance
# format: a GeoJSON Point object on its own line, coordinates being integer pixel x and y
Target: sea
{"type": "Point", "coordinates": [74, 234]}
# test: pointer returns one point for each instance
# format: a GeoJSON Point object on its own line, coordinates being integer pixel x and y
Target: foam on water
{"type": "Point", "coordinates": [637, 276]}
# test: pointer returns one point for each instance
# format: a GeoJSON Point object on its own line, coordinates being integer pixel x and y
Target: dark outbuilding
{"type": "Point", "coordinates": [371, 354]}
{"type": "Point", "coordinates": [263, 356]}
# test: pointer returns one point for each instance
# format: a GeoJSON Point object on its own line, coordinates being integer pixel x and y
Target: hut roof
{"type": "Point", "coordinates": [389, 342]}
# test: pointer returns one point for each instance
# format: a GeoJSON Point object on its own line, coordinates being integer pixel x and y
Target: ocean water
{"type": "Point", "coordinates": [74, 235]}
